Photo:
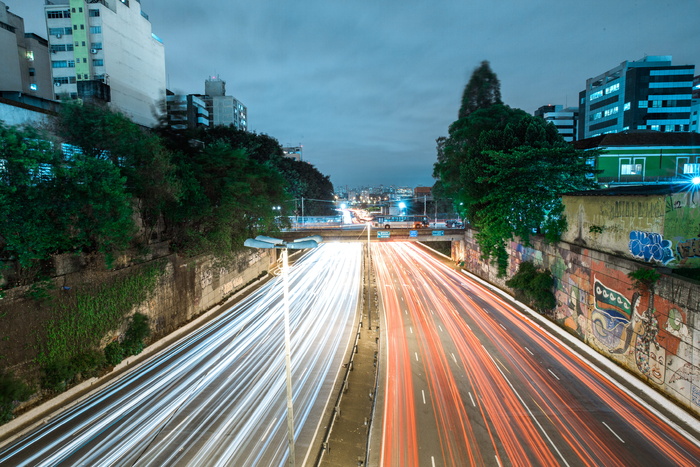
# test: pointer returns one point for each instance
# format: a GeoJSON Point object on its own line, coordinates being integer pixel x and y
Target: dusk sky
{"type": "Point", "coordinates": [366, 86]}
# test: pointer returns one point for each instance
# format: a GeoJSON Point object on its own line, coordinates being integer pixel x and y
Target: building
{"type": "Point", "coordinates": [695, 106]}
{"type": "Point", "coordinates": [645, 157]}
{"type": "Point", "coordinates": [647, 94]}
{"type": "Point", "coordinates": [566, 120]}
{"type": "Point", "coordinates": [24, 57]}
{"type": "Point", "coordinates": [223, 110]}
{"type": "Point", "coordinates": [186, 111]}
{"type": "Point", "coordinates": [105, 51]}
{"type": "Point", "coordinates": [293, 152]}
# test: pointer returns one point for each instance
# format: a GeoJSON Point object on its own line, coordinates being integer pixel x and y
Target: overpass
{"type": "Point", "coordinates": [340, 234]}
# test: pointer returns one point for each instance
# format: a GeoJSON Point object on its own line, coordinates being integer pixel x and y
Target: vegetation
{"type": "Point", "coordinates": [505, 170]}
{"type": "Point", "coordinates": [534, 287]}
{"type": "Point", "coordinates": [12, 391]}
{"type": "Point", "coordinates": [644, 279]}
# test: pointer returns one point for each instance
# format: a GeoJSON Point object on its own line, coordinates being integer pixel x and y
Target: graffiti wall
{"type": "Point", "coordinates": [655, 335]}
{"type": "Point", "coordinates": [659, 229]}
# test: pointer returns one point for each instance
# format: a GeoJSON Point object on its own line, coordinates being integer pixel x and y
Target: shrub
{"type": "Point", "coordinates": [136, 333]}
{"type": "Point", "coordinates": [114, 353]}
{"type": "Point", "coordinates": [12, 391]}
{"type": "Point", "coordinates": [57, 375]}
{"type": "Point", "coordinates": [534, 286]}
{"type": "Point", "coordinates": [88, 364]}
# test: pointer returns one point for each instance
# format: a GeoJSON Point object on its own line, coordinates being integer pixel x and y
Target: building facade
{"type": "Point", "coordinates": [566, 120]}
{"type": "Point", "coordinates": [223, 110]}
{"type": "Point", "coordinates": [105, 51]}
{"type": "Point", "coordinates": [24, 58]}
{"type": "Point", "coordinates": [647, 94]}
{"type": "Point", "coordinates": [645, 157]}
{"type": "Point", "coordinates": [186, 111]}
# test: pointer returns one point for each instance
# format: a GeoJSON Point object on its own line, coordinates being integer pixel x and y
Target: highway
{"type": "Point", "coordinates": [218, 396]}
{"type": "Point", "coordinates": [468, 380]}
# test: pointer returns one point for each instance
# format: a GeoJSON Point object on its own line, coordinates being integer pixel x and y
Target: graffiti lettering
{"type": "Point", "coordinates": [650, 246]}
{"type": "Point", "coordinates": [689, 248]}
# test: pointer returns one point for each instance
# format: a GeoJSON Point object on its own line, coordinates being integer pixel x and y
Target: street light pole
{"type": "Point", "coordinates": [299, 244]}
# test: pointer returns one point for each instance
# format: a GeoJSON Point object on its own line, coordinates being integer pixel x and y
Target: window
{"type": "Point", "coordinates": [59, 64]}
{"type": "Point", "coordinates": [612, 88]}
{"type": "Point", "coordinates": [655, 127]}
{"type": "Point", "coordinates": [95, 29]}
{"type": "Point", "coordinates": [33, 87]}
{"type": "Point", "coordinates": [643, 104]}
{"type": "Point", "coordinates": [58, 14]}
{"type": "Point", "coordinates": [32, 72]}
{"type": "Point", "coordinates": [96, 45]}
{"type": "Point", "coordinates": [98, 62]}
{"type": "Point", "coordinates": [94, 13]}
{"type": "Point", "coordinates": [30, 55]}
{"type": "Point", "coordinates": [596, 95]}
{"type": "Point", "coordinates": [631, 169]}
{"type": "Point", "coordinates": [611, 111]}
{"type": "Point", "coordinates": [627, 106]}
{"type": "Point", "coordinates": [656, 104]}
{"type": "Point", "coordinates": [691, 169]}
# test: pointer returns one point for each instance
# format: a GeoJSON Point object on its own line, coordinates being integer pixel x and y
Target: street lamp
{"type": "Point", "coordinates": [262, 241]}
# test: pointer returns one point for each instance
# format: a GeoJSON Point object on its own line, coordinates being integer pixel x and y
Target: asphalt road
{"type": "Point", "coordinates": [468, 380]}
{"type": "Point", "coordinates": [218, 397]}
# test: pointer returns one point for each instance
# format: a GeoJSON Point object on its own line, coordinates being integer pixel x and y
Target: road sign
{"type": "Point", "coordinates": [383, 234]}
{"type": "Point", "coordinates": [438, 233]}
{"type": "Point", "coordinates": [413, 233]}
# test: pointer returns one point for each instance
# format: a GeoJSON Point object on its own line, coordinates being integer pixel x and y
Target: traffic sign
{"type": "Point", "coordinates": [438, 233]}
{"type": "Point", "coordinates": [413, 233]}
{"type": "Point", "coordinates": [383, 234]}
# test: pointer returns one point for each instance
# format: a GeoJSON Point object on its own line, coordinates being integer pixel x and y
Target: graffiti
{"type": "Point", "coordinates": [650, 246]}
{"type": "Point", "coordinates": [688, 249]}
{"type": "Point", "coordinates": [207, 278]}
{"type": "Point", "coordinates": [610, 318]}
{"type": "Point", "coordinates": [618, 209]}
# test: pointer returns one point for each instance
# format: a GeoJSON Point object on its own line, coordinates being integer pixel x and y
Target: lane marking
{"type": "Point", "coordinates": [611, 431]}
{"type": "Point", "coordinates": [504, 328]}
{"type": "Point", "coordinates": [528, 351]}
{"type": "Point", "coordinates": [553, 374]}
{"type": "Point", "coordinates": [440, 328]}
{"type": "Point", "coordinates": [416, 355]}
{"type": "Point", "coordinates": [411, 329]}
{"type": "Point", "coordinates": [432, 459]}
{"type": "Point", "coordinates": [453, 357]}
{"type": "Point", "coordinates": [470, 396]}
{"type": "Point", "coordinates": [423, 393]}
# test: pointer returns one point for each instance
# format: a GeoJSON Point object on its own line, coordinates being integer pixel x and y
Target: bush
{"type": "Point", "coordinates": [58, 375]}
{"type": "Point", "coordinates": [136, 333]}
{"type": "Point", "coordinates": [114, 353]}
{"type": "Point", "coordinates": [534, 286]}
{"type": "Point", "coordinates": [88, 364]}
{"type": "Point", "coordinates": [12, 391]}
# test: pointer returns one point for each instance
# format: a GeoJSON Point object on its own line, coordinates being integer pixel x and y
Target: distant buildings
{"type": "Point", "coordinates": [104, 51]}
{"type": "Point", "coordinates": [647, 94]}
{"type": "Point", "coordinates": [186, 111]}
{"type": "Point", "coordinates": [24, 58]}
{"type": "Point", "coordinates": [566, 120]}
{"type": "Point", "coordinates": [223, 110]}
{"type": "Point", "coordinates": [293, 152]}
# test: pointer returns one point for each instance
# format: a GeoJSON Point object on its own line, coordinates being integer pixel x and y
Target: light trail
{"type": "Point", "coordinates": [218, 396]}
{"type": "Point", "coordinates": [530, 399]}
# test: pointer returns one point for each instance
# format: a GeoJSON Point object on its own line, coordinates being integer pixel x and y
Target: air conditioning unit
{"type": "Point", "coordinates": [93, 51]}
{"type": "Point", "coordinates": [58, 36]}
{"type": "Point", "coordinates": [57, 84]}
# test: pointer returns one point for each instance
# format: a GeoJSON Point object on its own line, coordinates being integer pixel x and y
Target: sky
{"type": "Point", "coordinates": [367, 86]}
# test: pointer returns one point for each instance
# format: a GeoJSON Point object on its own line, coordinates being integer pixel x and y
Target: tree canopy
{"type": "Point", "coordinates": [506, 170]}
{"type": "Point", "coordinates": [482, 91]}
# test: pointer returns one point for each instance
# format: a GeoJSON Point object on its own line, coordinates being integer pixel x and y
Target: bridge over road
{"type": "Point", "coordinates": [375, 235]}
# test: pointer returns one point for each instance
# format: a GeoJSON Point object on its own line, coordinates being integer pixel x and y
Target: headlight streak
{"type": "Point", "coordinates": [228, 377]}
{"type": "Point", "coordinates": [511, 420]}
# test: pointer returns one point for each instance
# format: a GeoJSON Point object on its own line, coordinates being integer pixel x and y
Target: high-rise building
{"type": "Point", "coordinates": [293, 152]}
{"type": "Point", "coordinates": [695, 106]}
{"type": "Point", "coordinates": [647, 94]}
{"type": "Point", "coordinates": [566, 120]}
{"type": "Point", "coordinates": [224, 110]}
{"type": "Point", "coordinates": [105, 51]}
{"type": "Point", "coordinates": [24, 58]}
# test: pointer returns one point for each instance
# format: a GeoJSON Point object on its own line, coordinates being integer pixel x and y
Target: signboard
{"type": "Point", "coordinates": [413, 233]}
{"type": "Point", "coordinates": [383, 234]}
{"type": "Point", "coordinates": [438, 233]}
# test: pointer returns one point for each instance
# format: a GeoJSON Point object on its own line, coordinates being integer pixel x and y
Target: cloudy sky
{"type": "Point", "coordinates": [366, 86]}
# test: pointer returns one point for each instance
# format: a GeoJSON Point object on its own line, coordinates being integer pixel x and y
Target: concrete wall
{"type": "Point", "coordinates": [658, 340]}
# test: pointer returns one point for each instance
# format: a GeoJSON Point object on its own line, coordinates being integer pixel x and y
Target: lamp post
{"type": "Point", "coordinates": [300, 244]}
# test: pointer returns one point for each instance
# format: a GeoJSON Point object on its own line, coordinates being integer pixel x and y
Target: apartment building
{"type": "Point", "coordinates": [105, 51]}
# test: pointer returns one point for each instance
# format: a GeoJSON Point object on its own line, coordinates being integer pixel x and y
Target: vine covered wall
{"type": "Point", "coordinates": [654, 335]}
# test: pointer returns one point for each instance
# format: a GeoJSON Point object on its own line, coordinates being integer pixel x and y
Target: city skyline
{"type": "Point", "coordinates": [367, 87]}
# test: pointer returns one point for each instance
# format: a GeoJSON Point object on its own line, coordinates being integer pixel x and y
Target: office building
{"type": "Point", "coordinates": [695, 106]}
{"type": "Point", "coordinates": [223, 110]}
{"type": "Point", "coordinates": [293, 152]}
{"type": "Point", "coordinates": [566, 120]}
{"type": "Point", "coordinates": [24, 58]}
{"type": "Point", "coordinates": [647, 94]}
{"type": "Point", "coordinates": [104, 51]}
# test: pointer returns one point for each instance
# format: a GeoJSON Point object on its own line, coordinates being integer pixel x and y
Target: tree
{"type": "Point", "coordinates": [482, 91]}
{"type": "Point", "coordinates": [506, 171]}
{"type": "Point", "coordinates": [305, 181]}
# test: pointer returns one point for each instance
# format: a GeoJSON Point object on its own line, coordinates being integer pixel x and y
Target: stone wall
{"type": "Point", "coordinates": [657, 339]}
